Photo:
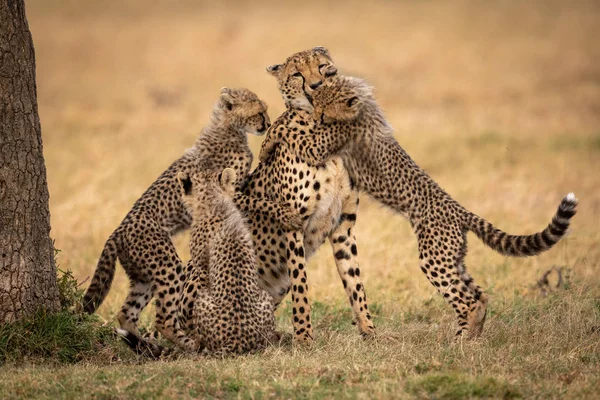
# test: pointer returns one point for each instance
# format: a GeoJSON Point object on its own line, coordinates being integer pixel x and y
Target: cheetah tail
{"type": "Point", "coordinates": [526, 245]}
{"type": "Point", "coordinates": [103, 277]}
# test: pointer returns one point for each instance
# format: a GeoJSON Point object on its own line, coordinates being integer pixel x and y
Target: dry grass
{"type": "Point", "coordinates": [500, 102]}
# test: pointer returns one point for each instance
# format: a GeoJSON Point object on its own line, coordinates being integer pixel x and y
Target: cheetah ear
{"type": "Point", "coordinates": [274, 69]}
{"type": "Point", "coordinates": [227, 98]}
{"type": "Point", "coordinates": [351, 110]}
{"type": "Point", "coordinates": [185, 183]}
{"type": "Point", "coordinates": [227, 180]}
{"type": "Point", "coordinates": [354, 103]}
{"type": "Point", "coordinates": [321, 50]}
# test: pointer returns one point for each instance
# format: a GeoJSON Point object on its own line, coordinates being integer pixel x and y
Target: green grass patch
{"type": "Point", "coordinates": [63, 337]}
{"type": "Point", "coordinates": [454, 386]}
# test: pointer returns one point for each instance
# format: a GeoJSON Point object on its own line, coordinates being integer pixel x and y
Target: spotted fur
{"type": "Point", "coordinates": [222, 305]}
{"type": "Point", "coordinates": [349, 123]}
{"type": "Point", "coordinates": [142, 242]}
{"type": "Point", "coordinates": [324, 196]}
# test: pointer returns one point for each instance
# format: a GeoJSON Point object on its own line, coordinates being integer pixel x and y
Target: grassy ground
{"type": "Point", "coordinates": [499, 102]}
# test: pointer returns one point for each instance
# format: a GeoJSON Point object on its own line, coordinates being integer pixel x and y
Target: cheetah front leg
{"type": "Point", "coordinates": [296, 262]}
{"type": "Point", "coordinates": [266, 317]}
{"type": "Point", "coordinates": [343, 243]}
{"type": "Point", "coordinates": [268, 145]}
{"type": "Point", "coordinates": [206, 330]}
{"type": "Point", "coordinates": [196, 282]}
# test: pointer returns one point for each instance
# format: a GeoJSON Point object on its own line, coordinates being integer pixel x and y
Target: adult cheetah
{"type": "Point", "coordinates": [323, 195]}
{"type": "Point", "coordinates": [142, 242]}
{"type": "Point", "coordinates": [349, 123]}
{"type": "Point", "coordinates": [222, 307]}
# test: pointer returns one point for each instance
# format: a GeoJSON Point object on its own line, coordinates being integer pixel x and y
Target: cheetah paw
{"type": "Point", "coordinates": [476, 317]}
{"type": "Point", "coordinates": [292, 221]}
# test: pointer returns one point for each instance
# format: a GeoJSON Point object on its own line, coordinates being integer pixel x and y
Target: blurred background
{"type": "Point", "coordinates": [498, 101]}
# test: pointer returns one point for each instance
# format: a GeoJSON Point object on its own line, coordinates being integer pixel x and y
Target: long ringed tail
{"type": "Point", "coordinates": [103, 276]}
{"type": "Point", "coordinates": [526, 245]}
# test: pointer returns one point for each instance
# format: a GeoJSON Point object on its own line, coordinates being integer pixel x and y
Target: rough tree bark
{"type": "Point", "coordinates": [27, 268]}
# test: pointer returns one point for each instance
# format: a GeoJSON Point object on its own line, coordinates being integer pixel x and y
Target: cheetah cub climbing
{"type": "Point", "coordinates": [222, 307]}
{"type": "Point", "coordinates": [348, 122]}
{"type": "Point", "coordinates": [142, 242]}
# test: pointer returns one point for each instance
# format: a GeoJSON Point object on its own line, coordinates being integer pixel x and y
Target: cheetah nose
{"type": "Point", "coordinates": [316, 85]}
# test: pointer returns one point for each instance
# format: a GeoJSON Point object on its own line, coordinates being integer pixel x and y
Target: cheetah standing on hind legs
{"type": "Point", "coordinates": [222, 307]}
{"type": "Point", "coordinates": [142, 242]}
{"type": "Point", "coordinates": [349, 123]}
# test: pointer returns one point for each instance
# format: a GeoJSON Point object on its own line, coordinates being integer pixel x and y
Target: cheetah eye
{"type": "Point", "coordinates": [298, 74]}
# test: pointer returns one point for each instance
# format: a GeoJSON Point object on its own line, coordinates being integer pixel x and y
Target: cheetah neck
{"type": "Point", "coordinates": [383, 169]}
{"type": "Point", "coordinates": [220, 134]}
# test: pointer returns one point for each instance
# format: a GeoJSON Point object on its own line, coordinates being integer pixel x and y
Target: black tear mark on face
{"type": "Point", "coordinates": [187, 185]}
{"type": "Point", "coordinates": [308, 96]}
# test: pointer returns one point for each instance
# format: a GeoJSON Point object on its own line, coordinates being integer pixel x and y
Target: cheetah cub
{"type": "Point", "coordinates": [348, 122]}
{"type": "Point", "coordinates": [221, 302]}
{"type": "Point", "coordinates": [142, 242]}
{"type": "Point", "coordinates": [221, 305]}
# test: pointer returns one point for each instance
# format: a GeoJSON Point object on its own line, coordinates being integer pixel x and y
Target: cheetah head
{"type": "Point", "coordinates": [301, 74]}
{"type": "Point", "coordinates": [242, 110]}
{"type": "Point", "coordinates": [201, 189]}
{"type": "Point", "coordinates": [341, 99]}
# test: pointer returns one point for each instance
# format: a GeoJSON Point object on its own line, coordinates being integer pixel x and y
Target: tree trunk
{"type": "Point", "coordinates": [27, 269]}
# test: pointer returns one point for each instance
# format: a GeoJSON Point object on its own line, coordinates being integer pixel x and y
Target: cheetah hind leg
{"type": "Point", "coordinates": [142, 346]}
{"type": "Point", "coordinates": [478, 307]}
{"type": "Point", "coordinates": [138, 297]}
{"type": "Point", "coordinates": [476, 317]}
{"type": "Point", "coordinates": [445, 269]}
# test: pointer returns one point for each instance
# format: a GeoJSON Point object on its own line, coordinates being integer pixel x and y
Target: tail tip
{"type": "Point", "coordinates": [569, 202]}
{"type": "Point", "coordinates": [122, 332]}
{"type": "Point", "coordinates": [571, 198]}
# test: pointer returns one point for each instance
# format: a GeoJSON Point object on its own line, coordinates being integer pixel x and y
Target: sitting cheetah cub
{"type": "Point", "coordinates": [225, 310]}
{"type": "Point", "coordinates": [222, 306]}
{"type": "Point", "coordinates": [142, 242]}
{"type": "Point", "coordinates": [349, 123]}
